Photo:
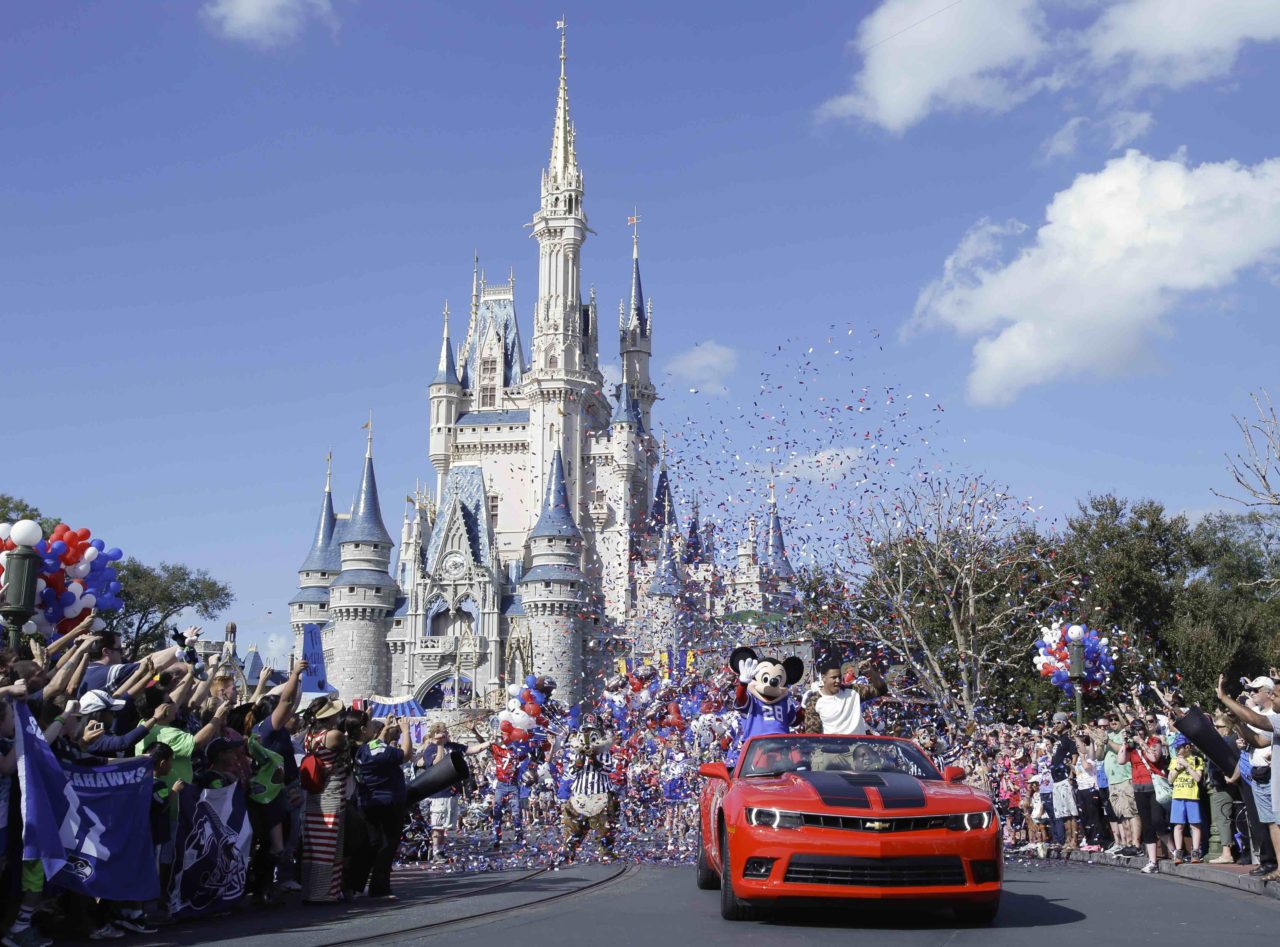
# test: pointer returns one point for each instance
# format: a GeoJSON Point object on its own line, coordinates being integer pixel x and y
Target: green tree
{"type": "Point", "coordinates": [14, 508]}
{"type": "Point", "coordinates": [154, 596]}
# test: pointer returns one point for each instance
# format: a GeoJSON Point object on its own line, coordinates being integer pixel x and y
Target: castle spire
{"type": "Point", "coordinates": [638, 315]}
{"type": "Point", "coordinates": [693, 545]}
{"type": "Point", "coordinates": [475, 285]}
{"type": "Point", "coordinates": [666, 575]}
{"type": "Point", "coordinates": [366, 524]}
{"type": "Point", "coordinates": [447, 371]}
{"type": "Point", "coordinates": [564, 163]}
{"type": "Point", "coordinates": [323, 556]}
{"type": "Point", "coordinates": [776, 553]}
{"type": "Point", "coordinates": [557, 514]}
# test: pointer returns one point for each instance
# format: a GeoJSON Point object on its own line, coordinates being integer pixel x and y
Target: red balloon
{"type": "Point", "coordinates": [83, 533]}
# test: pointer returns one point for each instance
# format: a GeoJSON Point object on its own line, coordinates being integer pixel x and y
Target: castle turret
{"type": "Point", "coordinates": [662, 605]}
{"type": "Point", "coordinates": [693, 554]}
{"type": "Point", "coordinates": [635, 340]}
{"type": "Point", "coordinates": [310, 604]}
{"type": "Point", "coordinates": [445, 395]}
{"type": "Point", "coordinates": [362, 597]}
{"type": "Point", "coordinates": [553, 589]}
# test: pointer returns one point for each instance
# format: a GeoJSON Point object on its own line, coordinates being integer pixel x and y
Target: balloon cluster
{"type": "Point", "coordinates": [1053, 658]}
{"type": "Point", "coordinates": [78, 575]}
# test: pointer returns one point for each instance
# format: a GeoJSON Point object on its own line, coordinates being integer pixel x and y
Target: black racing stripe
{"type": "Point", "coordinates": [842, 790]}
{"type": "Point", "coordinates": [900, 791]}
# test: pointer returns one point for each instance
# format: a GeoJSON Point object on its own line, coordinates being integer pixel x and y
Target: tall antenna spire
{"type": "Point", "coordinates": [368, 426]}
{"type": "Point", "coordinates": [328, 473]}
{"type": "Point", "coordinates": [475, 284]}
{"type": "Point", "coordinates": [773, 497]}
{"type": "Point", "coordinates": [563, 160]}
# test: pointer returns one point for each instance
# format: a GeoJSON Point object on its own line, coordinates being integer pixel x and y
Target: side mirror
{"type": "Point", "coordinates": [954, 774]}
{"type": "Point", "coordinates": [714, 771]}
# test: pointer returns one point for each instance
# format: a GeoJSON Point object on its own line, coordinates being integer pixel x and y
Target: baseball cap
{"type": "Point", "coordinates": [94, 701]}
{"type": "Point", "coordinates": [1061, 717]}
{"type": "Point", "coordinates": [1253, 685]}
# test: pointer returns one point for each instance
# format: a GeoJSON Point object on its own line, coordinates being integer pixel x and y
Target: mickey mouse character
{"type": "Point", "coordinates": [763, 693]}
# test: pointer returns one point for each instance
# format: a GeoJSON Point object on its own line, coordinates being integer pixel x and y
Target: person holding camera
{"type": "Point", "coordinates": [383, 796]}
{"type": "Point", "coordinates": [1260, 730]}
{"type": "Point", "coordinates": [1145, 754]}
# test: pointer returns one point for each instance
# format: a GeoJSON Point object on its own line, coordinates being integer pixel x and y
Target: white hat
{"type": "Point", "coordinates": [1260, 682]}
{"type": "Point", "coordinates": [94, 701]}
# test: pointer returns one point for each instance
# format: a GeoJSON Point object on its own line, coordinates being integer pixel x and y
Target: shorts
{"type": "Point", "coordinates": [1185, 812]}
{"type": "Point", "coordinates": [444, 813]}
{"type": "Point", "coordinates": [1262, 799]}
{"type": "Point", "coordinates": [1064, 800]}
{"type": "Point", "coordinates": [1122, 801]}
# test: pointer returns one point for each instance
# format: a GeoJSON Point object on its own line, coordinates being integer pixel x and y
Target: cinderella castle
{"type": "Point", "coordinates": [550, 542]}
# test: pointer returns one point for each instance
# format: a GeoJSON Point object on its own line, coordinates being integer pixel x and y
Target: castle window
{"type": "Point", "coordinates": [377, 591]}
{"type": "Point", "coordinates": [546, 585]}
{"type": "Point", "coordinates": [488, 397]}
{"type": "Point", "coordinates": [399, 622]}
{"type": "Point", "coordinates": [352, 590]}
{"type": "Point", "coordinates": [357, 545]}
{"type": "Point", "coordinates": [493, 511]}
{"type": "Point", "coordinates": [323, 606]}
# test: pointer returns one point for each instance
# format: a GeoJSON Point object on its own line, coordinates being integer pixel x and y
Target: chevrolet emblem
{"type": "Point", "coordinates": [879, 826]}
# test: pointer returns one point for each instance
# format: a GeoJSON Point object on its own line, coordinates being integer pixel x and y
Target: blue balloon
{"type": "Point", "coordinates": [58, 548]}
{"type": "Point", "coordinates": [114, 554]}
{"type": "Point", "coordinates": [98, 544]}
{"type": "Point", "coordinates": [41, 547]}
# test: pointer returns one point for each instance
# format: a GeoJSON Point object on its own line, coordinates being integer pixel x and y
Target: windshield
{"type": "Point", "coordinates": [773, 755]}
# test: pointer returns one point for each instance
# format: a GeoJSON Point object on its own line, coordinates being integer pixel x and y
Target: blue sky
{"type": "Point", "coordinates": [229, 227]}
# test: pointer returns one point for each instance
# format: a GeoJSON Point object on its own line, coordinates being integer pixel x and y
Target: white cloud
{"type": "Point", "coordinates": [1119, 129]}
{"type": "Point", "coordinates": [1175, 43]}
{"type": "Point", "coordinates": [266, 23]}
{"type": "Point", "coordinates": [1118, 249]}
{"type": "Point", "coordinates": [917, 59]}
{"type": "Point", "coordinates": [1126, 127]}
{"type": "Point", "coordinates": [708, 366]}
{"type": "Point", "coordinates": [822, 466]}
{"type": "Point", "coordinates": [920, 56]}
{"type": "Point", "coordinates": [1066, 140]}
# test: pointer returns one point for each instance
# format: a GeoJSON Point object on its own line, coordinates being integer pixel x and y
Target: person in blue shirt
{"type": "Point", "coordinates": [383, 796]}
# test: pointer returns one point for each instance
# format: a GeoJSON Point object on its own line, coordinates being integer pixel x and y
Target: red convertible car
{"type": "Point", "coordinates": [806, 816]}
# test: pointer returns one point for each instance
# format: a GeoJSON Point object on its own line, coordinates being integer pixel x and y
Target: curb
{"type": "Point", "coordinates": [1203, 873]}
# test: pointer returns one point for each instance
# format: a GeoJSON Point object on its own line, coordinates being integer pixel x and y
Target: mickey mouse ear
{"type": "Point", "coordinates": [739, 655]}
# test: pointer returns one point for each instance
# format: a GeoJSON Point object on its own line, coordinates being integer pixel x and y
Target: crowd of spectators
{"type": "Point", "coordinates": [327, 786]}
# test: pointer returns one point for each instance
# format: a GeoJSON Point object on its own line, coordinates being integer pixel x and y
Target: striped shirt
{"type": "Point", "coordinates": [592, 773]}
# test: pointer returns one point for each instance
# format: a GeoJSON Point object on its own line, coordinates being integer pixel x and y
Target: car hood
{"type": "Point", "coordinates": [890, 793]}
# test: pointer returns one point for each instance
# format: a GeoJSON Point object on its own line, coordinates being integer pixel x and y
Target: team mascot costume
{"type": "Point", "coordinates": [763, 694]}
{"type": "Point", "coordinates": [592, 805]}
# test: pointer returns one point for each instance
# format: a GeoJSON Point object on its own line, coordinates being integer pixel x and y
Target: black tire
{"type": "Point", "coordinates": [979, 913]}
{"type": "Point", "coordinates": [732, 908]}
{"type": "Point", "coordinates": [708, 880]}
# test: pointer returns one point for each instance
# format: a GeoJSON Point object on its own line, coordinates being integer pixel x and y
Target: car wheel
{"type": "Point", "coordinates": [708, 880]}
{"type": "Point", "coordinates": [732, 908]}
{"type": "Point", "coordinates": [981, 912]}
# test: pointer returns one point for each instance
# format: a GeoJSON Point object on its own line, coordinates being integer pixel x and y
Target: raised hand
{"type": "Point", "coordinates": [747, 670]}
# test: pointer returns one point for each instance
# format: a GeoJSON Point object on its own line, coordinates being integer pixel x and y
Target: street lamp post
{"type": "Point", "coordinates": [1075, 645]}
{"type": "Point", "coordinates": [21, 572]}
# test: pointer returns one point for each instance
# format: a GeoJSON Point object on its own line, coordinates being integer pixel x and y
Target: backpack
{"type": "Point", "coordinates": [313, 774]}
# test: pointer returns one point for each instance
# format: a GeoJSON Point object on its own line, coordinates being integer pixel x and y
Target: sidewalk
{"type": "Point", "coordinates": [1229, 876]}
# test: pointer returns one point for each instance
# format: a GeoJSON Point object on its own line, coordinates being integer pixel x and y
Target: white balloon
{"type": "Point", "coordinates": [29, 628]}
{"type": "Point", "coordinates": [26, 533]}
{"type": "Point", "coordinates": [4, 559]}
{"type": "Point", "coordinates": [1103, 641]}
{"type": "Point", "coordinates": [89, 600]}
{"type": "Point", "coordinates": [98, 624]}
{"type": "Point", "coordinates": [73, 611]}
{"type": "Point", "coordinates": [41, 585]}
{"type": "Point", "coordinates": [4, 530]}
{"type": "Point", "coordinates": [90, 554]}
{"type": "Point", "coordinates": [77, 588]}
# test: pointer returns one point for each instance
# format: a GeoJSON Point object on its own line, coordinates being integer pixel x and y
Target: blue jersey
{"type": "Point", "coordinates": [761, 719]}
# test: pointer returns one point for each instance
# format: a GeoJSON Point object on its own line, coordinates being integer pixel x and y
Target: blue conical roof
{"type": "Point", "coordinates": [557, 516]}
{"type": "Point", "coordinates": [626, 410]}
{"type": "Point", "coordinates": [660, 513]}
{"type": "Point", "coordinates": [324, 555]}
{"type": "Point", "coordinates": [365, 524]}
{"type": "Point", "coordinates": [666, 578]}
{"type": "Point", "coordinates": [638, 316]}
{"type": "Point", "coordinates": [777, 555]}
{"type": "Point", "coordinates": [693, 546]}
{"type": "Point", "coordinates": [447, 371]}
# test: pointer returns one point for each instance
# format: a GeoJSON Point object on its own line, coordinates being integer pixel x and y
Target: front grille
{"type": "Point", "coordinates": [854, 823]}
{"type": "Point", "coordinates": [875, 872]}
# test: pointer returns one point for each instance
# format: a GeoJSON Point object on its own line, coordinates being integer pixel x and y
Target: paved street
{"type": "Point", "coordinates": [1050, 903]}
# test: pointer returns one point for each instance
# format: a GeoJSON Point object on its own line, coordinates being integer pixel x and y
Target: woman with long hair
{"type": "Point", "coordinates": [324, 819]}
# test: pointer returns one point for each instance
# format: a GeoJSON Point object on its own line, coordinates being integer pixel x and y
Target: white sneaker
{"type": "Point", "coordinates": [1150, 868]}
{"type": "Point", "coordinates": [1115, 849]}
{"type": "Point", "coordinates": [106, 932]}
{"type": "Point", "coordinates": [290, 886]}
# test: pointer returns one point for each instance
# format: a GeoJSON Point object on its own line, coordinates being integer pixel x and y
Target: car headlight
{"type": "Point", "coordinates": [970, 821]}
{"type": "Point", "coordinates": [774, 818]}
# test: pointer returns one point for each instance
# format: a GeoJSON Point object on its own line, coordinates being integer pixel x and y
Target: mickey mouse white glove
{"type": "Point", "coordinates": [747, 670]}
